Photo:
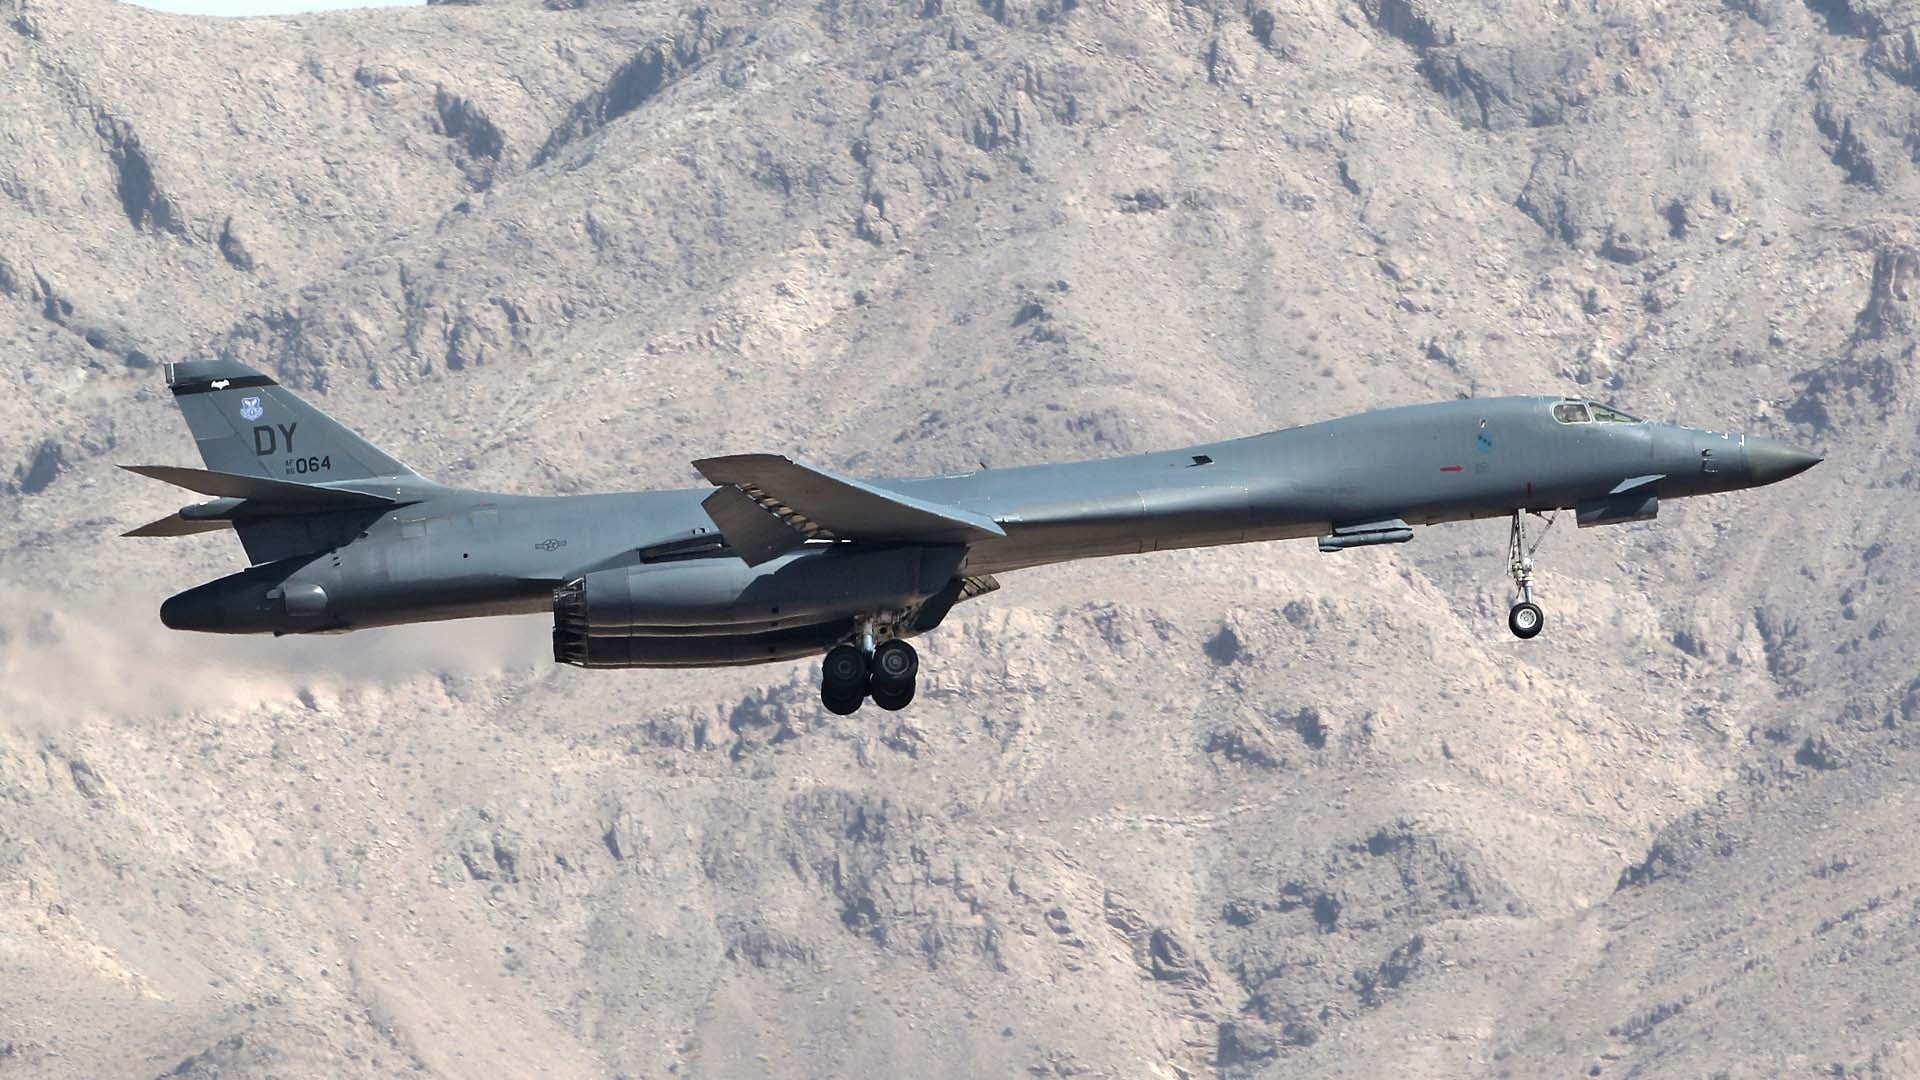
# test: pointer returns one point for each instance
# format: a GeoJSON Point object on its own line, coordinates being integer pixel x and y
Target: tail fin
{"type": "Point", "coordinates": [248, 424]}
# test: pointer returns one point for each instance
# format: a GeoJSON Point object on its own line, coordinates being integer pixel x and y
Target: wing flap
{"type": "Point", "coordinates": [754, 533]}
{"type": "Point", "coordinates": [796, 502]}
{"type": "Point", "coordinates": [258, 489]}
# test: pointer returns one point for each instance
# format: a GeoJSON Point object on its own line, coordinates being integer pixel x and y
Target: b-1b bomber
{"type": "Point", "coordinates": [780, 560]}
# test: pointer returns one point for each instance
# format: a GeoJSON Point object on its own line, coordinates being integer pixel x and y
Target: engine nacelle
{"type": "Point", "coordinates": [699, 650]}
{"type": "Point", "coordinates": [795, 604]}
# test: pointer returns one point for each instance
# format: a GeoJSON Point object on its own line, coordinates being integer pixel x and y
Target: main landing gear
{"type": "Point", "coordinates": [843, 680]}
{"type": "Point", "coordinates": [852, 673]}
{"type": "Point", "coordinates": [1525, 619]}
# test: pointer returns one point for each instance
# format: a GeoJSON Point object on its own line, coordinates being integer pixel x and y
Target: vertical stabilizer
{"type": "Point", "coordinates": [247, 423]}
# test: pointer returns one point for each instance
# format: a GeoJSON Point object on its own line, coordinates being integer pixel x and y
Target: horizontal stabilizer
{"type": "Point", "coordinates": [175, 525]}
{"type": "Point", "coordinates": [798, 502]}
{"type": "Point", "coordinates": [259, 489]}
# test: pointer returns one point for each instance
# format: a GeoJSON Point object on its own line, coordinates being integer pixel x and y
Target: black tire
{"type": "Point", "coordinates": [893, 700]}
{"type": "Point", "coordinates": [841, 704]}
{"type": "Point", "coordinates": [1526, 620]}
{"type": "Point", "coordinates": [894, 665]}
{"type": "Point", "coordinates": [844, 672]}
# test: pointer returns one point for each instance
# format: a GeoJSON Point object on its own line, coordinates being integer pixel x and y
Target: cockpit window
{"type": "Point", "coordinates": [1606, 415]}
{"type": "Point", "coordinates": [1571, 412]}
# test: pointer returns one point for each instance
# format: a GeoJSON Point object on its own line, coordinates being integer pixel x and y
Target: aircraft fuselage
{"type": "Point", "coordinates": [1369, 478]}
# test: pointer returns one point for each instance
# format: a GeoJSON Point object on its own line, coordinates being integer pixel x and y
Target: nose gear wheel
{"type": "Point", "coordinates": [1525, 618]}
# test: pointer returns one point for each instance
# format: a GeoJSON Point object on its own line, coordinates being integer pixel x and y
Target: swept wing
{"type": "Point", "coordinates": [768, 505]}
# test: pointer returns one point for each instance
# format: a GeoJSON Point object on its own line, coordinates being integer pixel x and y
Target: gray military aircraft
{"type": "Point", "coordinates": [781, 560]}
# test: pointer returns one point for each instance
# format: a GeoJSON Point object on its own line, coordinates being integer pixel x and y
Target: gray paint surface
{"type": "Point", "coordinates": [654, 571]}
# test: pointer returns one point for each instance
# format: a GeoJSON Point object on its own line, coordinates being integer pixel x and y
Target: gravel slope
{"type": "Point", "coordinates": [1257, 812]}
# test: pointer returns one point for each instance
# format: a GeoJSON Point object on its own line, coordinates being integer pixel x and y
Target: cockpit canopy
{"type": "Point", "coordinates": [1590, 412]}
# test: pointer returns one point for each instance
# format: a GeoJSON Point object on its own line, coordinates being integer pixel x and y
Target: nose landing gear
{"type": "Point", "coordinates": [852, 673]}
{"type": "Point", "coordinates": [1525, 618]}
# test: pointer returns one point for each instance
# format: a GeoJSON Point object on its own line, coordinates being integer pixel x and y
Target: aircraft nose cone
{"type": "Point", "coordinates": [1770, 460]}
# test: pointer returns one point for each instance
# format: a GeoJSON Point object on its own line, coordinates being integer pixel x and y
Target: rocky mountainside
{"type": "Point", "coordinates": [1254, 812]}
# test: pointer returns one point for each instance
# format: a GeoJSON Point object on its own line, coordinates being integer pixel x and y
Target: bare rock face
{"type": "Point", "coordinates": [1250, 812]}
{"type": "Point", "coordinates": [39, 472]}
{"type": "Point", "coordinates": [1896, 276]}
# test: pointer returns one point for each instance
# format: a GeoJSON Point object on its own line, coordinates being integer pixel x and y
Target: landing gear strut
{"type": "Point", "coordinates": [851, 673]}
{"type": "Point", "coordinates": [1525, 619]}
